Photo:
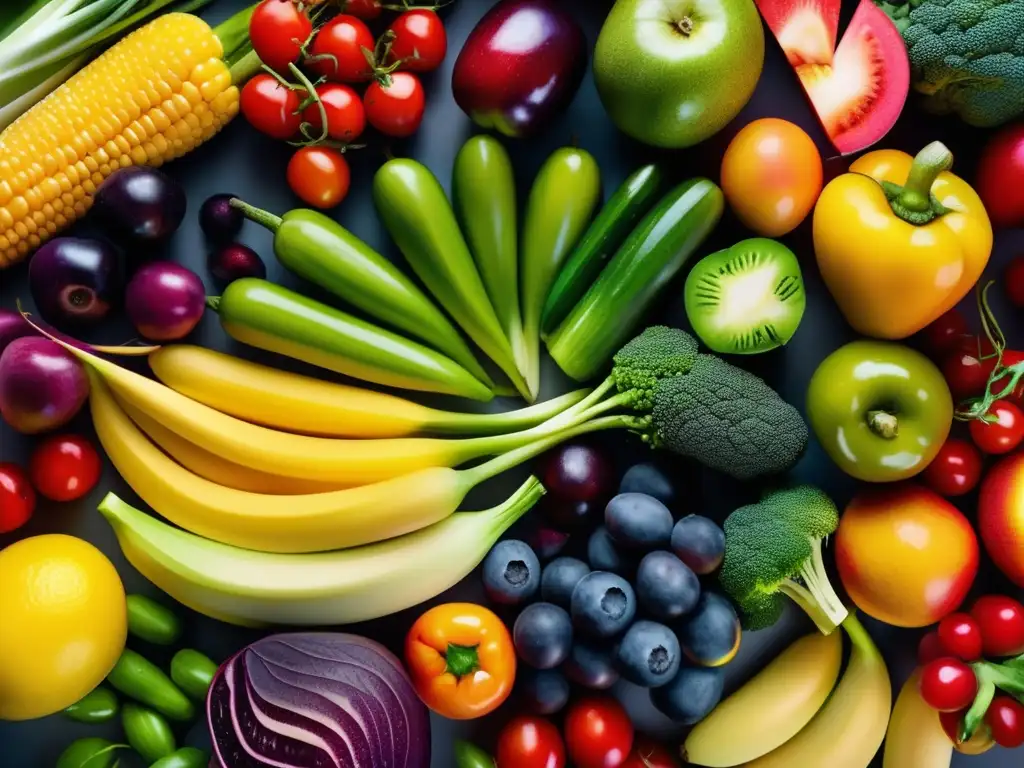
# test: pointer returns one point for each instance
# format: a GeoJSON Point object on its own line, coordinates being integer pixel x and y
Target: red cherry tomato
{"type": "Point", "coordinates": [960, 636]}
{"type": "Point", "coordinates": [278, 29]}
{"type": "Point", "coordinates": [530, 742]}
{"type": "Point", "coordinates": [1013, 281]}
{"type": "Point", "coordinates": [1000, 169]}
{"type": "Point", "coordinates": [979, 743]}
{"type": "Point", "coordinates": [598, 733]}
{"type": "Point", "coordinates": [955, 470]}
{"type": "Point", "coordinates": [1002, 429]}
{"type": "Point", "coordinates": [339, 50]}
{"type": "Point", "coordinates": [1005, 717]}
{"type": "Point", "coordinates": [1002, 625]}
{"type": "Point", "coordinates": [968, 366]}
{"type": "Point", "coordinates": [944, 333]}
{"type": "Point", "coordinates": [929, 648]}
{"type": "Point", "coordinates": [947, 684]}
{"type": "Point", "coordinates": [270, 107]}
{"type": "Point", "coordinates": [346, 117]}
{"type": "Point", "coordinates": [420, 40]}
{"type": "Point", "coordinates": [17, 499]}
{"type": "Point", "coordinates": [65, 467]}
{"type": "Point", "coordinates": [648, 754]}
{"type": "Point", "coordinates": [367, 10]}
{"type": "Point", "coordinates": [319, 176]}
{"type": "Point", "coordinates": [396, 109]}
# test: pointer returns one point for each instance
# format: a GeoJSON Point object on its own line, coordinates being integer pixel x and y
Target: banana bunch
{"type": "Point", "coordinates": [794, 714]}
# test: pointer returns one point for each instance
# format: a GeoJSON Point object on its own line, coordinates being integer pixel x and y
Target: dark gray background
{"type": "Point", "coordinates": [250, 165]}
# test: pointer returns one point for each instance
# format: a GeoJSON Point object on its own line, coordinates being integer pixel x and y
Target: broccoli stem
{"type": "Point", "coordinates": [914, 202]}
{"type": "Point", "coordinates": [815, 594]}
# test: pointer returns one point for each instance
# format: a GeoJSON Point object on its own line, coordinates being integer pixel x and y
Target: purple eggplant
{"type": "Point", "coordinates": [220, 221]}
{"type": "Point", "coordinates": [139, 205]}
{"type": "Point", "coordinates": [520, 66]}
{"type": "Point", "coordinates": [234, 260]}
{"type": "Point", "coordinates": [74, 280]}
{"type": "Point", "coordinates": [42, 385]}
{"type": "Point", "coordinates": [165, 300]}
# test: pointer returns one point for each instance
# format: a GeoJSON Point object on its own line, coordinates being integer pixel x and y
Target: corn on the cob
{"type": "Point", "coordinates": [152, 97]}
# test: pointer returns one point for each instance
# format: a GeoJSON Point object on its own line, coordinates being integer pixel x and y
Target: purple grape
{"type": "Point", "coordinates": [233, 261]}
{"type": "Point", "coordinates": [165, 300]}
{"type": "Point", "coordinates": [577, 473]}
{"type": "Point", "coordinates": [218, 220]}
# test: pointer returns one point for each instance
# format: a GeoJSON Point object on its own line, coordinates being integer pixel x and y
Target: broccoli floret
{"type": "Point", "coordinates": [655, 354]}
{"type": "Point", "coordinates": [966, 56]}
{"type": "Point", "coordinates": [773, 548]}
{"type": "Point", "coordinates": [728, 419]}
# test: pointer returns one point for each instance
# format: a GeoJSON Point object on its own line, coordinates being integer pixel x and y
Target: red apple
{"type": "Point", "coordinates": [520, 66]}
{"type": "Point", "coordinates": [1000, 180]}
{"type": "Point", "coordinates": [1001, 516]}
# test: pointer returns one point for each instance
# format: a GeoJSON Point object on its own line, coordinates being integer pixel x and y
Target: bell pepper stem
{"type": "Point", "coordinates": [261, 217]}
{"type": "Point", "coordinates": [884, 424]}
{"type": "Point", "coordinates": [913, 201]}
{"type": "Point", "coordinates": [462, 660]}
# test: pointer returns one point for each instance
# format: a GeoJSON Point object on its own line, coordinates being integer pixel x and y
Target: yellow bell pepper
{"type": "Point", "coordinates": [900, 240]}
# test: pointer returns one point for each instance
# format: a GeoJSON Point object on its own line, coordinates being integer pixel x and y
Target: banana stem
{"type": "Point", "coordinates": [485, 424]}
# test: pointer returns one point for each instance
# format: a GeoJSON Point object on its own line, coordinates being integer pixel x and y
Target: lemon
{"type": "Point", "coordinates": [63, 624]}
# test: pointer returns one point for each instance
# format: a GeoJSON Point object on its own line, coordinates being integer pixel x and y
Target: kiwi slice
{"type": "Point", "coordinates": [746, 299]}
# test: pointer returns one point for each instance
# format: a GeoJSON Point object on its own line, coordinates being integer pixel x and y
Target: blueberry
{"type": "Point", "coordinates": [592, 666]}
{"type": "Point", "coordinates": [649, 654]}
{"type": "Point", "coordinates": [691, 695]}
{"type": "Point", "coordinates": [543, 635]}
{"type": "Point", "coordinates": [547, 542]}
{"type": "Point", "coordinates": [544, 691]}
{"type": "Point", "coordinates": [511, 572]}
{"type": "Point", "coordinates": [649, 479]}
{"type": "Point", "coordinates": [560, 578]}
{"type": "Point", "coordinates": [638, 522]}
{"type": "Point", "coordinates": [603, 555]}
{"type": "Point", "coordinates": [665, 587]}
{"type": "Point", "coordinates": [603, 604]}
{"type": "Point", "coordinates": [710, 634]}
{"type": "Point", "coordinates": [700, 543]}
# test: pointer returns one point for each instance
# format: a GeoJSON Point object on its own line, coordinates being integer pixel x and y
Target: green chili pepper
{"type": "Point", "coordinates": [97, 706]}
{"type": "Point", "coordinates": [149, 620]}
{"type": "Point", "coordinates": [186, 757]}
{"type": "Point", "coordinates": [91, 752]}
{"type": "Point", "coordinates": [193, 673]}
{"type": "Point", "coordinates": [147, 732]}
{"type": "Point", "coordinates": [143, 681]}
{"type": "Point", "coordinates": [470, 756]}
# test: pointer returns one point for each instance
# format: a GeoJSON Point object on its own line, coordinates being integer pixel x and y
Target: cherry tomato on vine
{"type": "Point", "coordinates": [271, 107]}
{"type": "Point", "coordinates": [1001, 430]}
{"type": "Point", "coordinates": [65, 467]}
{"type": "Point", "coordinates": [947, 684]}
{"type": "Point", "coordinates": [1005, 717]}
{"type": "Point", "coordinates": [955, 470]}
{"type": "Point", "coordinates": [929, 648]}
{"type": "Point", "coordinates": [968, 366]}
{"type": "Point", "coordinates": [278, 29]}
{"type": "Point", "coordinates": [346, 117]}
{"type": "Point", "coordinates": [395, 109]}
{"type": "Point", "coordinates": [319, 176]}
{"type": "Point", "coordinates": [367, 10]}
{"type": "Point", "coordinates": [960, 635]}
{"type": "Point", "coordinates": [1013, 280]}
{"type": "Point", "coordinates": [598, 733]}
{"type": "Point", "coordinates": [339, 50]}
{"type": "Point", "coordinates": [943, 334]}
{"type": "Point", "coordinates": [420, 40]}
{"type": "Point", "coordinates": [1001, 620]}
{"type": "Point", "coordinates": [530, 742]}
{"type": "Point", "coordinates": [17, 499]}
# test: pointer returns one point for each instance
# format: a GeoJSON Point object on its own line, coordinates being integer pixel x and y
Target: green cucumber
{"type": "Point", "coordinates": [186, 757]}
{"type": "Point", "coordinates": [620, 214]}
{"type": "Point", "coordinates": [562, 200]}
{"type": "Point", "coordinates": [193, 673]}
{"type": "Point", "coordinates": [653, 254]}
{"type": "Point", "coordinates": [147, 732]}
{"type": "Point", "coordinates": [97, 706]}
{"type": "Point", "coordinates": [150, 621]}
{"type": "Point", "coordinates": [91, 752]}
{"type": "Point", "coordinates": [140, 679]}
{"type": "Point", "coordinates": [268, 316]}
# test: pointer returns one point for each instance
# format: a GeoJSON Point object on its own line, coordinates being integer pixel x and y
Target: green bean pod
{"type": "Point", "coordinates": [412, 204]}
{"type": "Point", "coordinates": [193, 673]}
{"type": "Point", "coordinates": [270, 317]}
{"type": "Point", "coordinates": [91, 752]}
{"type": "Point", "coordinates": [186, 757]}
{"type": "Point", "coordinates": [152, 622]}
{"type": "Point", "coordinates": [140, 679]}
{"type": "Point", "coordinates": [147, 732]}
{"type": "Point", "coordinates": [562, 200]}
{"type": "Point", "coordinates": [98, 706]}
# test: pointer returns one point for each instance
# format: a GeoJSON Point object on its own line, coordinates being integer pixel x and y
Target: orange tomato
{"type": "Point", "coordinates": [461, 660]}
{"type": "Point", "coordinates": [771, 176]}
{"type": "Point", "coordinates": [906, 556]}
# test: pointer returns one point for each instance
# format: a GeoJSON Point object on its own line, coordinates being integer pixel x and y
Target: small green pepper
{"type": "Point", "coordinates": [143, 681]}
{"type": "Point", "coordinates": [186, 757]}
{"type": "Point", "coordinates": [91, 752]}
{"type": "Point", "coordinates": [97, 706]}
{"type": "Point", "coordinates": [150, 621]}
{"type": "Point", "coordinates": [193, 673]}
{"type": "Point", "coordinates": [470, 756]}
{"type": "Point", "coordinates": [147, 732]}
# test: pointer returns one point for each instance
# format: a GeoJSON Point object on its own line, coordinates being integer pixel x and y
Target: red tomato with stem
{"type": "Point", "coordinates": [420, 41]}
{"type": "Point", "coordinates": [1001, 430]}
{"type": "Point", "coordinates": [339, 50]}
{"type": "Point", "coordinates": [319, 176]}
{"type": "Point", "coordinates": [17, 499]}
{"type": "Point", "coordinates": [960, 635]}
{"type": "Point", "coordinates": [1005, 717]}
{"type": "Point", "coordinates": [1000, 170]}
{"type": "Point", "coordinates": [968, 366]}
{"type": "Point", "coordinates": [65, 467]}
{"type": "Point", "coordinates": [278, 30]}
{"type": "Point", "coordinates": [395, 109]}
{"type": "Point", "coordinates": [929, 648]}
{"type": "Point", "coordinates": [346, 117]}
{"type": "Point", "coordinates": [367, 10]}
{"type": "Point", "coordinates": [598, 733]}
{"type": "Point", "coordinates": [530, 742]}
{"type": "Point", "coordinates": [955, 470]}
{"type": "Point", "coordinates": [271, 107]}
{"type": "Point", "coordinates": [947, 684]}
{"type": "Point", "coordinates": [649, 754]}
{"type": "Point", "coordinates": [1001, 620]}
{"type": "Point", "coordinates": [1013, 281]}
{"type": "Point", "coordinates": [943, 334]}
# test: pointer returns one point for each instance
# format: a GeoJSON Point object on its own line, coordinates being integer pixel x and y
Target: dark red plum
{"type": "Point", "coordinates": [219, 220]}
{"type": "Point", "coordinates": [138, 205]}
{"type": "Point", "coordinates": [165, 300]}
{"type": "Point", "coordinates": [233, 261]}
{"type": "Point", "coordinates": [520, 66]}
{"type": "Point", "coordinates": [42, 385]}
{"type": "Point", "coordinates": [74, 280]}
{"type": "Point", "coordinates": [12, 326]}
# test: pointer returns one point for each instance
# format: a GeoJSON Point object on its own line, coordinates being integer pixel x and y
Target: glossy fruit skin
{"type": "Point", "coordinates": [598, 733]}
{"type": "Point", "coordinates": [649, 654]}
{"type": "Point", "coordinates": [905, 555]}
{"type": "Point", "coordinates": [941, 335]}
{"type": "Point", "coordinates": [648, 754]}
{"type": "Point", "coordinates": [520, 66]}
{"type": "Point", "coordinates": [271, 108]}
{"type": "Point", "coordinates": [771, 176]}
{"type": "Point", "coordinates": [396, 109]}
{"type": "Point", "coordinates": [710, 634]}
{"type": "Point", "coordinates": [420, 40]}
{"type": "Point", "coordinates": [367, 10]}
{"type": "Point", "coordinates": [1002, 625]}
{"type": "Point", "coordinates": [979, 743]}
{"type": "Point", "coordinates": [1003, 433]}
{"type": "Point", "coordinates": [511, 573]}
{"type": "Point", "coordinates": [542, 691]}
{"type": "Point", "coordinates": [955, 470]}
{"type": "Point", "coordinates": [665, 586]}
{"type": "Point", "coordinates": [948, 685]}
{"type": "Point", "coordinates": [967, 366]}
{"type": "Point", "coordinates": [346, 116]}
{"type": "Point", "coordinates": [1000, 170]}
{"type": "Point", "coordinates": [649, 479]}
{"type": "Point", "coordinates": [165, 301]}
{"type": "Point", "coordinates": [1001, 515]}
{"type": "Point", "coordinates": [74, 280]}
{"type": "Point", "coordinates": [1005, 717]}
{"type": "Point", "coordinates": [17, 497]}
{"type": "Point", "coordinates": [603, 605]}
{"type": "Point", "coordinates": [278, 30]}
{"type": "Point", "coordinates": [344, 37]}
{"type": "Point", "coordinates": [576, 472]}
{"type": "Point", "coordinates": [929, 648]}
{"type": "Point", "coordinates": [961, 636]}
{"type": "Point", "coordinates": [219, 221]}
{"type": "Point", "coordinates": [693, 693]}
{"type": "Point", "coordinates": [138, 204]}
{"type": "Point", "coordinates": [699, 543]}
{"type": "Point", "coordinates": [530, 742]}
{"type": "Point", "coordinates": [235, 261]}
{"type": "Point", "coordinates": [592, 666]}
{"type": "Point", "coordinates": [65, 467]}
{"type": "Point", "coordinates": [42, 385]}
{"type": "Point", "coordinates": [1013, 281]}
{"type": "Point", "coordinates": [604, 555]}
{"type": "Point", "coordinates": [638, 522]}
{"type": "Point", "coordinates": [320, 176]}
{"type": "Point", "coordinates": [543, 635]}
{"type": "Point", "coordinates": [560, 578]}
{"type": "Point", "coordinates": [850, 401]}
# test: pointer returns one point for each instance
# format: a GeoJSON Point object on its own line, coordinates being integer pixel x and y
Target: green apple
{"type": "Point", "coordinates": [673, 72]}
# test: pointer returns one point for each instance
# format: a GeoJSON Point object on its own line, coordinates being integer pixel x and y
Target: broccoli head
{"type": "Point", "coordinates": [728, 419]}
{"type": "Point", "coordinates": [655, 354]}
{"type": "Point", "coordinates": [773, 548]}
{"type": "Point", "coordinates": [966, 56]}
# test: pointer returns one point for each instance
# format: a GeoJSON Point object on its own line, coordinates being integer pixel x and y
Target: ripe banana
{"type": "Point", "coordinates": [255, 588]}
{"type": "Point", "coordinates": [771, 707]}
{"type": "Point", "coordinates": [849, 729]}
{"type": "Point", "coordinates": [301, 404]}
{"type": "Point", "coordinates": [915, 738]}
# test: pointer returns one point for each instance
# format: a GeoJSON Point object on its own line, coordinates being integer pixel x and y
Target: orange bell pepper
{"type": "Point", "coordinates": [461, 660]}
